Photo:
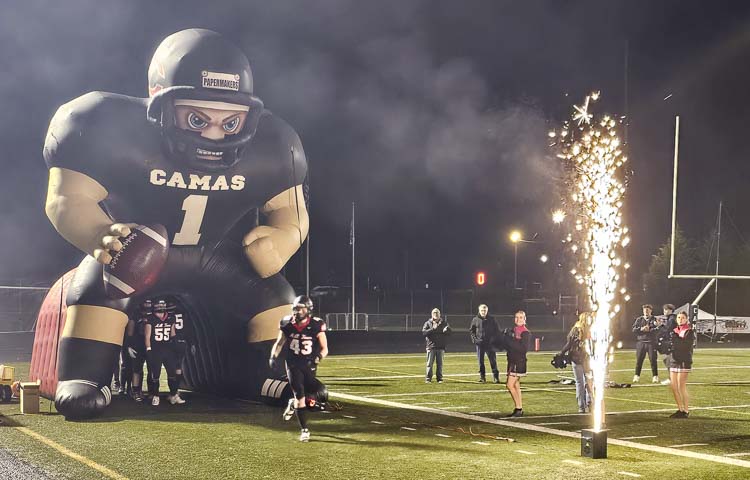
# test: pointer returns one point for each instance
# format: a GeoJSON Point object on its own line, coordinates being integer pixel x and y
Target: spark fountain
{"type": "Point", "coordinates": [595, 184]}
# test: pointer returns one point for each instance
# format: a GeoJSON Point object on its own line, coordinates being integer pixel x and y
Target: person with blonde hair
{"type": "Point", "coordinates": [575, 347]}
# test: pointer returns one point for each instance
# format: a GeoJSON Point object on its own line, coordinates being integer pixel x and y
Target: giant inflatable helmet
{"type": "Point", "coordinates": [200, 64]}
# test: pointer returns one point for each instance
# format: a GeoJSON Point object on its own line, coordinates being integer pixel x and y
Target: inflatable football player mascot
{"type": "Point", "coordinates": [201, 157]}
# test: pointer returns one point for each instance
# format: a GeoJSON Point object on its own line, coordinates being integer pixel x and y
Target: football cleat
{"type": "Point", "coordinates": [175, 399]}
{"type": "Point", "coordinates": [666, 382]}
{"type": "Point", "coordinates": [636, 378]}
{"type": "Point", "coordinates": [155, 400]}
{"type": "Point", "coordinates": [655, 379]}
{"type": "Point", "coordinates": [304, 435]}
{"type": "Point", "coordinates": [289, 410]}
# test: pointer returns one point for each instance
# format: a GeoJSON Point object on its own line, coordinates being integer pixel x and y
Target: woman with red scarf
{"type": "Point", "coordinates": [518, 342]}
{"type": "Point", "coordinates": [681, 361]}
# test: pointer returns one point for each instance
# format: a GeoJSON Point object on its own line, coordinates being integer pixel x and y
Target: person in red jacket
{"type": "Point", "coordinates": [518, 342]}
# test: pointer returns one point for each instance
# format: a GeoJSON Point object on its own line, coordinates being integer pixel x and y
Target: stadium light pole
{"type": "Point", "coordinates": [515, 237]}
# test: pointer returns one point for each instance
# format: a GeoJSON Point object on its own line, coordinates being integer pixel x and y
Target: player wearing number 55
{"type": "Point", "coordinates": [201, 157]}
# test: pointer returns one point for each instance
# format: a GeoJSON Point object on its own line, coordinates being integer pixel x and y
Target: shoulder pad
{"type": "Point", "coordinates": [83, 132]}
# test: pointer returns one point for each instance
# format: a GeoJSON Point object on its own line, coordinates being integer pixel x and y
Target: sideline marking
{"type": "Point", "coordinates": [629, 474]}
{"type": "Point", "coordinates": [744, 454]}
{"type": "Point", "coordinates": [397, 375]}
{"type": "Point", "coordinates": [480, 443]}
{"type": "Point", "coordinates": [688, 445]}
{"type": "Point", "coordinates": [554, 423]}
{"type": "Point", "coordinates": [348, 416]}
{"type": "Point", "coordinates": [525, 452]}
{"type": "Point", "coordinates": [409, 428]}
{"type": "Point", "coordinates": [552, 431]}
{"type": "Point", "coordinates": [574, 462]}
{"type": "Point", "coordinates": [627, 412]}
{"type": "Point", "coordinates": [75, 456]}
{"type": "Point", "coordinates": [638, 437]}
{"type": "Point", "coordinates": [442, 435]}
{"type": "Point", "coordinates": [376, 422]}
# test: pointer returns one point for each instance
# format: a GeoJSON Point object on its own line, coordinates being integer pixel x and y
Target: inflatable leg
{"type": "Point", "coordinates": [89, 346]}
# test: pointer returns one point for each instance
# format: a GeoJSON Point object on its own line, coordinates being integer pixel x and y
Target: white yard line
{"type": "Point", "coordinates": [481, 443]}
{"type": "Point", "coordinates": [573, 462]}
{"type": "Point", "coordinates": [553, 373]}
{"type": "Point", "coordinates": [743, 454]}
{"type": "Point", "coordinates": [627, 412]}
{"type": "Point", "coordinates": [682, 445]}
{"type": "Point", "coordinates": [409, 428]}
{"type": "Point", "coordinates": [629, 474]}
{"type": "Point", "coordinates": [638, 437]}
{"type": "Point", "coordinates": [551, 431]}
{"type": "Point", "coordinates": [442, 435]}
{"type": "Point", "coordinates": [553, 423]}
{"type": "Point", "coordinates": [525, 452]}
{"type": "Point", "coordinates": [377, 422]}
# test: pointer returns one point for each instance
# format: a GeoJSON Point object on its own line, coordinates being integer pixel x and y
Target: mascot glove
{"type": "Point", "coordinates": [109, 241]}
{"type": "Point", "coordinates": [132, 353]}
{"type": "Point", "coordinates": [262, 251]}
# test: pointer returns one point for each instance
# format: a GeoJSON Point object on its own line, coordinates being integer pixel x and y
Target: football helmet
{"type": "Point", "coordinates": [303, 301]}
{"type": "Point", "coordinates": [160, 306]}
{"type": "Point", "coordinates": [198, 64]}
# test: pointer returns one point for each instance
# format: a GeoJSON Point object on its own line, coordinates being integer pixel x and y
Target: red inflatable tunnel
{"type": "Point", "coordinates": [49, 327]}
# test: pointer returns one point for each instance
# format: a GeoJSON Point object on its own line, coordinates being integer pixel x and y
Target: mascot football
{"type": "Point", "coordinates": [195, 191]}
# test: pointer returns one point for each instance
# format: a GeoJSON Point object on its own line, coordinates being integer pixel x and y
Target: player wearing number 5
{"type": "Point", "coordinates": [303, 338]}
{"type": "Point", "coordinates": [203, 158]}
{"type": "Point", "coordinates": [160, 350]}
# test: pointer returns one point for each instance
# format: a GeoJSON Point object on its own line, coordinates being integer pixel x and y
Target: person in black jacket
{"type": "Point", "coordinates": [435, 331]}
{"type": "Point", "coordinates": [646, 328]}
{"type": "Point", "coordinates": [682, 340]}
{"type": "Point", "coordinates": [575, 346]}
{"type": "Point", "coordinates": [668, 323]}
{"type": "Point", "coordinates": [484, 331]}
{"type": "Point", "coordinates": [518, 342]}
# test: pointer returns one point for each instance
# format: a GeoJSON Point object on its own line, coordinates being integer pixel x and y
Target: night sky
{"type": "Point", "coordinates": [430, 115]}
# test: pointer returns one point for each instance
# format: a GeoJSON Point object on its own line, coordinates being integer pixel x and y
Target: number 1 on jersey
{"type": "Point", "coordinates": [194, 207]}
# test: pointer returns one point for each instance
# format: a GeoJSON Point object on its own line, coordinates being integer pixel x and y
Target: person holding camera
{"type": "Point", "coordinates": [646, 329]}
{"type": "Point", "coordinates": [484, 331]}
{"type": "Point", "coordinates": [575, 348]}
{"type": "Point", "coordinates": [517, 343]}
{"type": "Point", "coordinates": [682, 339]}
{"type": "Point", "coordinates": [435, 332]}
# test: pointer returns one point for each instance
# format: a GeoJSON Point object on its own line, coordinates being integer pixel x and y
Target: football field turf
{"type": "Point", "coordinates": [394, 425]}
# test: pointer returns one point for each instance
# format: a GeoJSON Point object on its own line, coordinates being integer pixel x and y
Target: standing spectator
{"type": "Point", "coordinates": [484, 331]}
{"type": "Point", "coordinates": [668, 323]}
{"type": "Point", "coordinates": [575, 346]}
{"type": "Point", "coordinates": [645, 327]}
{"type": "Point", "coordinates": [435, 331]}
{"type": "Point", "coordinates": [518, 342]}
{"type": "Point", "coordinates": [682, 338]}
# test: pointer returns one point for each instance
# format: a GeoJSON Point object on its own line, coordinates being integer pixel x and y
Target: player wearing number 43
{"type": "Point", "coordinates": [303, 339]}
{"type": "Point", "coordinates": [200, 156]}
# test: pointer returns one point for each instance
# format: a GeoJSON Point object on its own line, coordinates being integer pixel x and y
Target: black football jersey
{"type": "Point", "coordinates": [302, 338]}
{"type": "Point", "coordinates": [161, 330]}
{"type": "Point", "coordinates": [108, 138]}
{"type": "Point", "coordinates": [183, 328]}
